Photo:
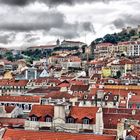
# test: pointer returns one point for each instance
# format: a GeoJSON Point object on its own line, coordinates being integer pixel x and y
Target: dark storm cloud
{"type": "Point", "coordinates": [34, 21]}
{"type": "Point", "coordinates": [46, 21]}
{"type": "Point", "coordinates": [119, 23]}
{"type": "Point", "coordinates": [31, 37]}
{"type": "Point", "coordinates": [16, 2]}
{"type": "Point", "coordinates": [7, 38]}
{"type": "Point", "coordinates": [4, 39]}
{"type": "Point", "coordinates": [87, 26]}
{"type": "Point", "coordinates": [127, 20]}
{"type": "Point", "coordinates": [50, 2]}
{"type": "Point", "coordinates": [67, 34]}
{"type": "Point", "coordinates": [70, 30]}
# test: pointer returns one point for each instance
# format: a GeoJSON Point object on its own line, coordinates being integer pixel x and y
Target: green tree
{"type": "Point", "coordinates": [84, 48]}
{"type": "Point", "coordinates": [9, 56]}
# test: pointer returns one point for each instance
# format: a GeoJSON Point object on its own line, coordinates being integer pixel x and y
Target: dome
{"type": "Point", "coordinates": [129, 137]}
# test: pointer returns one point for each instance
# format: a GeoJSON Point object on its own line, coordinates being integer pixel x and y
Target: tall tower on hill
{"type": "Point", "coordinates": [58, 42]}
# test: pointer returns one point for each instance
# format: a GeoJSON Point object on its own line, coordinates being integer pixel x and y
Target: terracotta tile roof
{"type": "Point", "coordinates": [134, 99]}
{"type": "Point", "coordinates": [74, 59]}
{"type": "Point", "coordinates": [76, 82]}
{"type": "Point", "coordinates": [21, 83]}
{"type": "Point", "coordinates": [135, 132]}
{"type": "Point", "coordinates": [111, 120]}
{"type": "Point", "coordinates": [105, 44]}
{"type": "Point", "coordinates": [112, 116]}
{"type": "Point", "coordinates": [59, 95]}
{"type": "Point", "coordinates": [93, 91]}
{"type": "Point", "coordinates": [117, 110]}
{"type": "Point", "coordinates": [43, 90]}
{"type": "Point", "coordinates": [80, 113]}
{"type": "Point", "coordinates": [123, 87]}
{"type": "Point", "coordinates": [126, 61]}
{"type": "Point", "coordinates": [123, 43]}
{"type": "Point", "coordinates": [9, 109]}
{"type": "Point", "coordinates": [46, 79]}
{"type": "Point", "coordinates": [64, 85]}
{"type": "Point", "coordinates": [12, 121]}
{"type": "Point", "coordinates": [110, 132]}
{"type": "Point", "coordinates": [79, 88]}
{"type": "Point", "coordinates": [41, 135]}
{"type": "Point", "coordinates": [66, 78]}
{"type": "Point", "coordinates": [42, 110]}
{"type": "Point", "coordinates": [53, 80]}
{"type": "Point", "coordinates": [121, 92]}
{"type": "Point", "coordinates": [33, 99]}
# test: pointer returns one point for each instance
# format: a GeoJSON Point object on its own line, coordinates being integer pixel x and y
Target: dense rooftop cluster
{"type": "Point", "coordinates": [64, 94]}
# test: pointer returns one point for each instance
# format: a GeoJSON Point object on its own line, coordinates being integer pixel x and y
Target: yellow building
{"type": "Point", "coordinates": [106, 72]}
{"type": "Point", "coordinates": [8, 75]}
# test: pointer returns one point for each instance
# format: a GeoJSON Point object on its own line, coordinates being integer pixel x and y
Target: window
{"type": "Point", "coordinates": [115, 98]}
{"type": "Point", "coordinates": [70, 120]}
{"type": "Point", "coordinates": [30, 106]}
{"type": "Point", "coordinates": [34, 118]}
{"type": "Point", "coordinates": [106, 97]}
{"type": "Point", "coordinates": [84, 102]}
{"type": "Point", "coordinates": [43, 101]}
{"type": "Point", "coordinates": [130, 105]}
{"type": "Point", "coordinates": [85, 96]}
{"type": "Point", "coordinates": [114, 103]}
{"type": "Point", "coordinates": [86, 121]}
{"type": "Point", "coordinates": [48, 119]}
{"type": "Point", "coordinates": [20, 105]}
{"type": "Point", "coordinates": [93, 102]}
{"type": "Point", "coordinates": [26, 107]}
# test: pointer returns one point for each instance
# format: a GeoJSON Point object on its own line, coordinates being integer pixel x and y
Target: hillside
{"type": "Point", "coordinates": [118, 37]}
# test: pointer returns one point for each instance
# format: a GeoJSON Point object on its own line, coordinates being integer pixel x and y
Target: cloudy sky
{"type": "Point", "coordinates": [37, 22]}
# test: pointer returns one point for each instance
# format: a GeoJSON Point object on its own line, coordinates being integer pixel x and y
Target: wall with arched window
{"type": "Point", "coordinates": [48, 119]}
{"type": "Point", "coordinates": [70, 120]}
{"type": "Point", "coordinates": [86, 120]}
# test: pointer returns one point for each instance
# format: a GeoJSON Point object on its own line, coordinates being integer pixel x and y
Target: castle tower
{"type": "Point", "coordinates": [58, 42]}
{"type": "Point", "coordinates": [128, 29]}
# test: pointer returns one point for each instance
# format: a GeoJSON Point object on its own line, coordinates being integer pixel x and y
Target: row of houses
{"type": "Point", "coordinates": [131, 49]}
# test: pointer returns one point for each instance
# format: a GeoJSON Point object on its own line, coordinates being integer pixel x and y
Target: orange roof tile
{"type": "Point", "coordinates": [9, 109]}
{"type": "Point", "coordinates": [13, 82]}
{"type": "Point", "coordinates": [134, 99]}
{"type": "Point", "coordinates": [34, 99]}
{"type": "Point", "coordinates": [42, 110]}
{"type": "Point", "coordinates": [12, 121]}
{"type": "Point", "coordinates": [59, 95]}
{"type": "Point", "coordinates": [79, 88]}
{"type": "Point", "coordinates": [41, 135]}
{"type": "Point", "coordinates": [135, 131]}
{"type": "Point", "coordinates": [82, 112]}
